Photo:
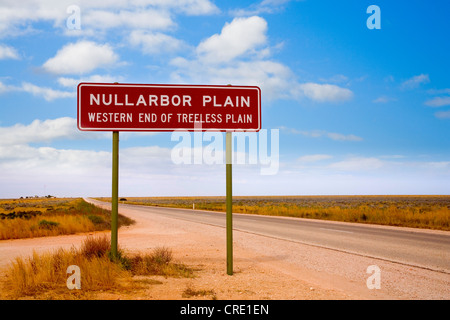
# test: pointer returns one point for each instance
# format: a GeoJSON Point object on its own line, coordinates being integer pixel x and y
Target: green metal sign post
{"type": "Point", "coordinates": [115, 193]}
{"type": "Point", "coordinates": [229, 205]}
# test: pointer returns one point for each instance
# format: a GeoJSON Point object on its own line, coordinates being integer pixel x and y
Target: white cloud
{"type": "Point", "coordinates": [439, 91]}
{"type": "Point", "coordinates": [189, 7]}
{"type": "Point", "coordinates": [43, 131]}
{"type": "Point", "coordinates": [240, 36]}
{"type": "Point", "coordinates": [384, 99]}
{"type": "Point", "coordinates": [337, 78]}
{"type": "Point", "coordinates": [322, 133]}
{"type": "Point", "coordinates": [273, 78]}
{"type": "Point", "coordinates": [438, 102]}
{"type": "Point", "coordinates": [62, 172]}
{"type": "Point", "coordinates": [393, 156]}
{"type": "Point", "coordinates": [17, 17]}
{"type": "Point", "coordinates": [314, 157]}
{"type": "Point", "coordinates": [357, 164]}
{"type": "Point", "coordinates": [29, 170]}
{"type": "Point", "coordinates": [265, 6]}
{"type": "Point", "coordinates": [343, 137]}
{"type": "Point", "coordinates": [81, 57]}
{"type": "Point", "coordinates": [7, 52]}
{"type": "Point", "coordinates": [6, 88]}
{"type": "Point", "coordinates": [153, 43]}
{"type": "Point", "coordinates": [144, 19]}
{"type": "Point", "coordinates": [415, 81]}
{"type": "Point", "coordinates": [137, 159]}
{"type": "Point", "coordinates": [70, 172]}
{"type": "Point", "coordinates": [38, 131]}
{"type": "Point", "coordinates": [325, 92]}
{"type": "Point", "coordinates": [26, 169]}
{"type": "Point", "coordinates": [439, 164]}
{"type": "Point", "coordinates": [443, 115]}
{"type": "Point", "coordinates": [238, 55]}
{"type": "Point", "coordinates": [47, 93]}
{"type": "Point", "coordinates": [73, 83]}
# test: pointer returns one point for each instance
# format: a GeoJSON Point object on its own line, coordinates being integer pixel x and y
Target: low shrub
{"type": "Point", "coordinates": [47, 224]}
{"type": "Point", "coordinates": [96, 219]}
{"type": "Point", "coordinates": [95, 246]}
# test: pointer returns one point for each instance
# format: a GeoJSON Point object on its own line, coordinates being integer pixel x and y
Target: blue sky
{"type": "Point", "coordinates": [355, 110]}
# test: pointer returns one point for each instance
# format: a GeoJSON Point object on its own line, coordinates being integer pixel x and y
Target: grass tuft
{"type": "Point", "coordinates": [95, 246]}
{"type": "Point", "coordinates": [158, 263]}
{"type": "Point", "coordinates": [190, 292]}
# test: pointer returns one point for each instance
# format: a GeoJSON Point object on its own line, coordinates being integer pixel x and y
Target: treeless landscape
{"type": "Point", "coordinates": [192, 256]}
{"type": "Point", "coordinates": [429, 211]}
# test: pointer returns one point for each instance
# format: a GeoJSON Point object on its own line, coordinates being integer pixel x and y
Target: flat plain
{"type": "Point", "coordinates": [417, 211]}
{"type": "Point", "coordinates": [265, 267]}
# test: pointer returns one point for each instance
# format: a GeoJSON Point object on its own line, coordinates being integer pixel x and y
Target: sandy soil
{"type": "Point", "coordinates": [264, 268]}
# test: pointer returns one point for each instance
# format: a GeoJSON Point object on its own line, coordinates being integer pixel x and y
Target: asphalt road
{"type": "Point", "coordinates": [420, 248]}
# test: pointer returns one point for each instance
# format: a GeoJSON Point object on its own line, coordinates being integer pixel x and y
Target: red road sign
{"type": "Point", "coordinates": [157, 107]}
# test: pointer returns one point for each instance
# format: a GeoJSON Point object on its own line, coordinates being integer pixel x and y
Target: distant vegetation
{"type": "Point", "coordinates": [38, 217]}
{"type": "Point", "coordinates": [431, 212]}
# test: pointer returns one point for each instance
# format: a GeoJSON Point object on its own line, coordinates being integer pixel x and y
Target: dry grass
{"type": "Point", "coordinates": [44, 273]}
{"type": "Point", "coordinates": [190, 292]}
{"type": "Point", "coordinates": [431, 212]}
{"type": "Point", "coordinates": [20, 228]}
{"type": "Point", "coordinates": [95, 247]}
{"type": "Point", "coordinates": [158, 263]}
{"type": "Point", "coordinates": [44, 276]}
{"type": "Point", "coordinates": [43, 217]}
